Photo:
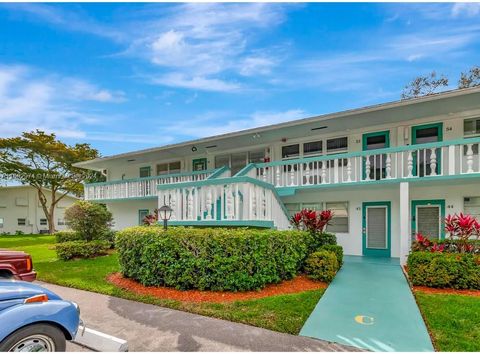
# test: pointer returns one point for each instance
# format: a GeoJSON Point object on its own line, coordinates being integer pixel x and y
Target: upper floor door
{"type": "Point", "coordinates": [427, 161]}
{"type": "Point", "coordinates": [376, 168]}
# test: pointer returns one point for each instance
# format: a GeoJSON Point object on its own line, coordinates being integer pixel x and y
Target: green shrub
{"type": "Point", "coordinates": [90, 220]}
{"type": "Point", "coordinates": [315, 241]}
{"type": "Point", "coordinates": [322, 265]}
{"type": "Point", "coordinates": [337, 249]}
{"type": "Point", "coordinates": [81, 249]}
{"type": "Point", "coordinates": [67, 235]}
{"type": "Point", "coordinates": [210, 258]}
{"type": "Point", "coordinates": [444, 270]}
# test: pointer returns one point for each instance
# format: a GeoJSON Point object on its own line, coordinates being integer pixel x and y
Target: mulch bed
{"type": "Point", "coordinates": [426, 289]}
{"type": "Point", "coordinates": [298, 284]}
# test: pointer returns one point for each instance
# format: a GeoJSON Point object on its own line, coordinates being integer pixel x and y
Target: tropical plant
{"type": "Point", "coordinates": [151, 219]}
{"type": "Point", "coordinates": [311, 220]}
{"type": "Point", "coordinates": [462, 227]}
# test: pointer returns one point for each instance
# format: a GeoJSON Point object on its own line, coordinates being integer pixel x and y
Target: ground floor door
{"type": "Point", "coordinates": [376, 229]}
{"type": "Point", "coordinates": [427, 218]}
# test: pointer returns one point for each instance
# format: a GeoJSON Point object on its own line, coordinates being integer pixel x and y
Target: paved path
{"type": "Point", "coordinates": [153, 328]}
{"type": "Point", "coordinates": [369, 305]}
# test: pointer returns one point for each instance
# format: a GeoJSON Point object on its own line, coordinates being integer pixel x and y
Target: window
{"type": "Point", "coordinates": [471, 205]}
{"type": "Point", "coordinates": [22, 222]}
{"type": "Point", "coordinates": [312, 148]}
{"type": "Point", "coordinates": [471, 127]}
{"type": "Point", "coordinates": [339, 222]}
{"type": "Point", "coordinates": [238, 160]}
{"type": "Point", "coordinates": [290, 151]}
{"type": "Point", "coordinates": [142, 213]}
{"type": "Point", "coordinates": [43, 222]}
{"type": "Point", "coordinates": [337, 145]}
{"type": "Point", "coordinates": [60, 222]}
{"type": "Point", "coordinates": [144, 172]}
{"type": "Point", "coordinates": [256, 156]}
{"type": "Point", "coordinates": [169, 168]}
{"type": "Point", "coordinates": [2, 221]}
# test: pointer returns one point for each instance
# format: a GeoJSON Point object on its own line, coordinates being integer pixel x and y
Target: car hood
{"type": "Point", "coordinates": [12, 289]}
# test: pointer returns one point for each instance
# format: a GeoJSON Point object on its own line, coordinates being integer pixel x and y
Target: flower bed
{"type": "Point", "coordinates": [210, 258]}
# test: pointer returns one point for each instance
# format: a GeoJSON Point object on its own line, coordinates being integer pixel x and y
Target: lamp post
{"type": "Point", "coordinates": [165, 212]}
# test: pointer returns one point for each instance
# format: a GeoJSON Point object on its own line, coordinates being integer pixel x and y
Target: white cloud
{"type": "Point", "coordinates": [195, 82]}
{"type": "Point", "coordinates": [470, 9]}
{"type": "Point", "coordinates": [256, 66]}
{"type": "Point", "coordinates": [31, 100]}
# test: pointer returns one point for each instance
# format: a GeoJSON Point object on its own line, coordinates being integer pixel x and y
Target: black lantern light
{"type": "Point", "coordinates": [165, 212]}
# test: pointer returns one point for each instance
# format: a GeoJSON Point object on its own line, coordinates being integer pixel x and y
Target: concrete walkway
{"type": "Point", "coordinates": [152, 328]}
{"type": "Point", "coordinates": [369, 305]}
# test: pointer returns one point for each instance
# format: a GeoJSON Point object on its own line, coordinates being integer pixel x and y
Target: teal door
{"type": "Point", "coordinates": [422, 160]}
{"type": "Point", "coordinates": [373, 141]}
{"type": "Point", "coordinates": [376, 232]}
{"type": "Point", "coordinates": [428, 218]}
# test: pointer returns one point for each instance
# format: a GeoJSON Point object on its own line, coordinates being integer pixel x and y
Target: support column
{"type": "Point", "coordinates": [404, 222]}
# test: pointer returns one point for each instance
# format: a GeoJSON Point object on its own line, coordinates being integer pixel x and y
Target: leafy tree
{"type": "Point", "coordinates": [470, 78]}
{"type": "Point", "coordinates": [45, 163]}
{"type": "Point", "coordinates": [92, 221]}
{"type": "Point", "coordinates": [424, 85]}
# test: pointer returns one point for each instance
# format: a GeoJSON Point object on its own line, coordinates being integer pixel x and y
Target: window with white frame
{"type": "Point", "coordinates": [337, 145]}
{"type": "Point", "coordinates": [313, 148]}
{"type": "Point", "coordinates": [2, 222]}
{"type": "Point", "coordinates": [290, 151]}
{"type": "Point", "coordinates": [471, 205]}
{"type": "Point", "coordinates": [22, 222]}
{"type": "Point", "coordinates": [169, 168]}
{"type": "Point", "coordinates": [471, 127]}
{"type": "Point", "coordinates": [340, 220]}
{"type": "Point", "coordinates": [60, 222]}
{"type": "Point", "coordinates": [238, 160]}
{"type": "Point", "coordinates": [43, 222]}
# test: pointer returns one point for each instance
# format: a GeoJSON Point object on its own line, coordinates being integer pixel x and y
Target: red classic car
{"type": "Point", "coordinates": [17, 265]}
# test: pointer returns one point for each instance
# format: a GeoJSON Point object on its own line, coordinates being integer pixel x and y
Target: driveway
{"type": "Point", "coordinates": [152, 328]}
{"type": "Point", "coordinates": [370, 305]}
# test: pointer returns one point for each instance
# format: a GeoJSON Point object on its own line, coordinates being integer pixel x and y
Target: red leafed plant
{"type": "Point", "coordinates": [462, 227]}
{"type": "Point", "coordinates": [151, 219]}
{"type": "Point", "coordinates": [311, 220]}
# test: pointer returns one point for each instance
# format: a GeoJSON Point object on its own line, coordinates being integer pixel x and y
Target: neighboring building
{"type": "Point", "coordinates": [20, 210]}
{"type": "Point", "coordinates": [387, 171]}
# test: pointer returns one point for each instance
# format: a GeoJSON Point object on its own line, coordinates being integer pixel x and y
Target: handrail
{"type": "Point", "coordinates": [227, 180]}
{"type": "Point", "coordinates": [370, 152]}
{"type": "Point", "coordinates": [172, 175]}
{"type": "Point", "coordinates": [218, 172]}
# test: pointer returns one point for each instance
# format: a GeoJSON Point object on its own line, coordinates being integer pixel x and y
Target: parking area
{"type": "Point", "coordinates": [153, 328]}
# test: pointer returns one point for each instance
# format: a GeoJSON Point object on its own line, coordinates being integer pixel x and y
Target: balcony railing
{"type": "Point", "coordinates": [141, 187]}
{"type": "Point", "coordinates": [235, 200]}
{"type": "Point", "coordinates": [447, 158]}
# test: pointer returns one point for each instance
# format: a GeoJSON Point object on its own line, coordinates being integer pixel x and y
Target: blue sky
{"type": "Point", "coordinates": [130, 76]}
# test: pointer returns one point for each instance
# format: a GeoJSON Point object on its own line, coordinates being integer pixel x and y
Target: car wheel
{"type": "Point", "coordinates": [35, 338]}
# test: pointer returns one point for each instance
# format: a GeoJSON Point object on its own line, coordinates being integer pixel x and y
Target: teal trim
{"type": "Point", "coordinates": [191, 173]}
{"type": "Point", "coordinates": [147, 169]}
{"type": "Point", "coordinates": [244, 171]}
{"type": "Point", "coordinates": [440, 202]}
{"type": "Point", "coordinates": [291, 190]}
{"type": "Point", "coordinates": [140, 213]}
{"type": "Point", "coordinates": [227, 180]}
{"type": "Point", "coordinates": [217, 173]}
{"type": "Point", "coordinates": [367, 153]}
{"type": "Point", "coordinates": [219, 223]}
{"type": "Point", "coordinates": [377, 252]}
{"type": "Point", "coordinates": [415, 128]}
{"type": "Point", "coordinates": [385, 133]}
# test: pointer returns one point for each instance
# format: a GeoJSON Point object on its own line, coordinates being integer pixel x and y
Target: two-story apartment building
{"type": "Point", "coordinates": [21, 210]}
{"type": "Point", "coordinates": [387, 171]}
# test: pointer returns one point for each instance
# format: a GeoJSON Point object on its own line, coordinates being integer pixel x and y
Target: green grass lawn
{"type": "Point", "coordinates": [453, 320]}
{"type": "Point", "coordinates": [283, 313]}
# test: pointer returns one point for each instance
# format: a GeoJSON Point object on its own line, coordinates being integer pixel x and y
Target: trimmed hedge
{"type": "Point", "coordinates": [322, 265]}
{"type": "Point", "coordinates": [81, 249]}
{"type": "Point", "coordinates": [444, 270]}
{"type": "Point", "coordinates": [210, 258]}
{"type": "Point", "coordinates": [67, 235]}
{"type": "Point", "coordinates": [337, 249]}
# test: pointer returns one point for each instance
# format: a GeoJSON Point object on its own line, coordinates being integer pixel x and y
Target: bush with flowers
{"type": "Point", "coordinates": [450, 263]}
{"type": "Point", "coordinates": [315, 223]}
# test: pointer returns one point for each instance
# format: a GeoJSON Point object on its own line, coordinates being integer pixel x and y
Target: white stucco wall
{"type": "Point", "coordinates": [22, 202]}
{"type": "Point", "coordinates": [125, 213]}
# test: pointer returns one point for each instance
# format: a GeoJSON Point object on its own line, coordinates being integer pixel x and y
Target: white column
{"type": "Point", "coordinates": [404, 222]}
